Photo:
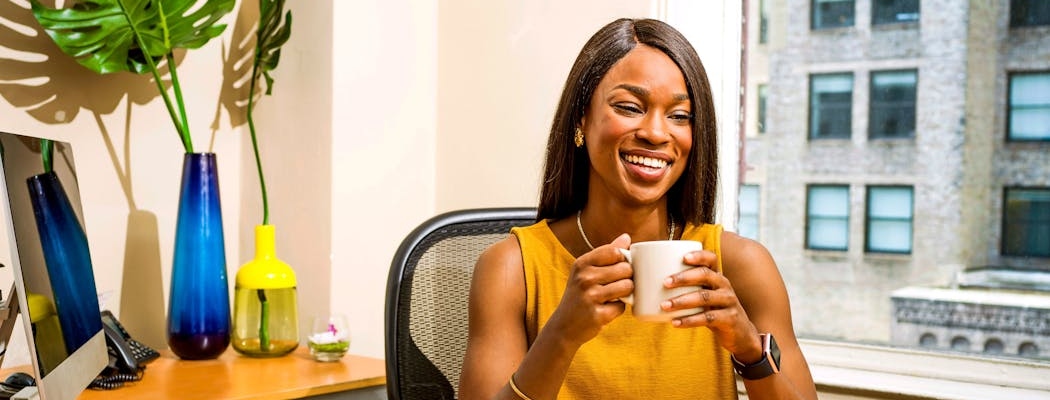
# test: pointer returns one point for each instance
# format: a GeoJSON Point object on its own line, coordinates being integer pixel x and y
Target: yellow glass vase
{"type": "Point", "coordinates": [265, 316]}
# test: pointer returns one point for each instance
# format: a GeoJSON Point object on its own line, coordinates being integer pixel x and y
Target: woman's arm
{"type": "Point", "coordinates": [748, 299]}
{"type": "Point", "coordinates": [497, 345]}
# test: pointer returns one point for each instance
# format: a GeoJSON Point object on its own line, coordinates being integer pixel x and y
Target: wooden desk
{"type": "Point", "coordinates": [233, 376]}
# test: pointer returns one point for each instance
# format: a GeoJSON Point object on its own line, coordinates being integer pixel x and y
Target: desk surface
{"type": "Point", "coordinates": [233, 376]}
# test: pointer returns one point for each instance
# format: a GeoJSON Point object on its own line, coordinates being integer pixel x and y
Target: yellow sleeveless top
{"type": "Point", "coordinates": [629, 359]}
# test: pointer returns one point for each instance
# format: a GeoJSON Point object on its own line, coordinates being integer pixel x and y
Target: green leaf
{"type": "Point", "coordinates": [272, 34]}
{"type": "Point", "coordinates": [118, 35]}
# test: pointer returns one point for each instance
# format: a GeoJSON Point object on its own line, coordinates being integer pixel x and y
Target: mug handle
{"type": "Point", "coordinates": [629, 299]}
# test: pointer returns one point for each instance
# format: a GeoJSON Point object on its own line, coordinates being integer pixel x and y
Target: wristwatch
{"type": "Point", "coordinates": [768, 365]}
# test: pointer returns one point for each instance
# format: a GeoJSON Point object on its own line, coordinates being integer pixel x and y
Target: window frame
{"type": "Point", "coordinates": [813, 18]}
{"type": "Point", "coordinates": [877, 22]}
{"type": "Point", "coordinates": [811, 132]}
{"type": "Point", "coordinates": [809, 218]}
{"type": "Point", "coordinates": [1010, 107]}
{"type": "Point", "coordinates": [868, 219]}
{"type": "Point", "coordinates": [1003, 220]}
{"type": "Point", "coordinates": [757, 211]}
{"type": "Point", "coordinates": [871, 104]}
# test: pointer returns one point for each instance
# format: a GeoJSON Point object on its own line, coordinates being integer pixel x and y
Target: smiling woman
{"type": "Point", "coordinates": [631, 157]}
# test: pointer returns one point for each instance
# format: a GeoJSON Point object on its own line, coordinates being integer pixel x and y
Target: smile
{"type": "Point", "coordinates": [645, 161]}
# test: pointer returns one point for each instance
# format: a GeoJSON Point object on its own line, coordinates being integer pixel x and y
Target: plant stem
{"type": "Point", "coordinates": [181, 126]}
{"type": "Point", "coordinates": [47, 152]}
{"type": "Point", "coordinates": [264, 321]}
{"type": "Point", "coordinates": [187, 142]}
{"type": "Point", "coordinates": [255, 143]}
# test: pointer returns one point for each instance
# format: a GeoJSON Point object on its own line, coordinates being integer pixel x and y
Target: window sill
{"type": "Point", "coordinates": [885, 372]}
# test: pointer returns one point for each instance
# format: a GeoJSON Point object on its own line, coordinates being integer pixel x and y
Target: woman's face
{"type": "Point", "coordinates": [638, 128]}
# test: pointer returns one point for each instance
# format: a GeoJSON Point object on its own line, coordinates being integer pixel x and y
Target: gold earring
{"type": "Point", "coordinates": [579, 138]}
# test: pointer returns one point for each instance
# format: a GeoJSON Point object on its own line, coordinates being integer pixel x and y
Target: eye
{"type": "Point", "coordinates": [681, 117]}
{"type": "Point", "coordinates": [627, 109]}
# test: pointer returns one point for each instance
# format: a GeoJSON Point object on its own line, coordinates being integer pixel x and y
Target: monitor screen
{"type": "Point", "coordinates": [53, 276]}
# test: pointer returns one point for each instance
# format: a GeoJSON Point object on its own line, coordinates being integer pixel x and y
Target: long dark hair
{"type": "Point", "coordinates": [566, 171]}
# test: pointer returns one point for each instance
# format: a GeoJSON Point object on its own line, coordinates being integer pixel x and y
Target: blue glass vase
{"type": "Point", "coordinates": [199, 298]}
{"type": "Point", "coordinates": [68, 260]}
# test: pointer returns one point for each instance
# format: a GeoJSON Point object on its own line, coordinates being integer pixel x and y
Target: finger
{"type": "Point", "coordinates": [703, 298]}
{"type": "Point", "coordinates": [699, 276]}
{"type": "Point", "coordinates": [700, 258]}
{"type": "Point", "coordinates": [614, 291]}
{"type": "Point", "coordinates": [703, 318]}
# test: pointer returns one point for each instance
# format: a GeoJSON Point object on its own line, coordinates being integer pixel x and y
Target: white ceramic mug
{"type": "Point", "coordinates": [652, 263]}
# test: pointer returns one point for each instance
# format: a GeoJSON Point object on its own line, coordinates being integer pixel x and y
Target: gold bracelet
{"type": "Point", "coordinates": [516, 390]}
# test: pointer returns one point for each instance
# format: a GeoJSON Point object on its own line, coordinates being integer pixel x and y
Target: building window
{"type": "Point", "coordinates": [762, 97]}
{"type": "Point", "coordinates": [827, 217]}
{"type": "Point", "coordinates": [1029, 13]}
{"type": "Point", "coordinates": [748, 224]}
{"type": "Point", "coordinates": [831, 13]}
{"type": "Point", "coordinates": [894, 11]}
{"type": "Point", "coordinates": [960, 343]}
{"type": "Point", "coordinates": [763, 21]}
{"type": "Point", "coordinates": [1026, 222]}
{"type": "Point", "coordinates": [994, 346]}
{"type": "Point", "coordinates": [1029, 117]}
{"type": "Point", "coordinates": [830, 105]}
{"type": "Point", "coordinates": [891, 112]}
{"type": "Point", "coordinates": [889, 219]}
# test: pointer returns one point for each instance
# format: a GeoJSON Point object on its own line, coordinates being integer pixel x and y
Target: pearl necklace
{"type": "Point", "coordinates": [584, 235]}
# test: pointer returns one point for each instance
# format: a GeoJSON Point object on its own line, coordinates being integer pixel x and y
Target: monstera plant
{"type": "Point", "coordinates": [110, 36]}
{"type": "Point", "coordinates": [141, 36]}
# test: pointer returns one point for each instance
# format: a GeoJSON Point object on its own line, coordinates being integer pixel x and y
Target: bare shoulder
{"type": "Point", "coordinates": [743, 256]}
{"type": "Point", "coordinates": [501, 257]}
{"type": "Point", "coordinates": [751, 269]}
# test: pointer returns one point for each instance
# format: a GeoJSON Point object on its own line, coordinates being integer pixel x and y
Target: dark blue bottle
{"type": "Point", "coordinates": [198, 301]}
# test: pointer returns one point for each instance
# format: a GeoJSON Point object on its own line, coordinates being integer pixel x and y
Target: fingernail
{"type": "Point", "coordinates": [666, 304]}
{"type": "Point", "coordinates": [669, 281]}
{"type": "Point", "coordinates": [676, 322]}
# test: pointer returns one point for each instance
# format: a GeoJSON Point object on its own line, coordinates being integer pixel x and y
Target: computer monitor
{"type": "Point", "coordinates": [53, 287]}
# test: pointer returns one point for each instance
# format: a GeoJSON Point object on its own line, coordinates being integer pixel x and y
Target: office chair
{"type": "Point", "coordinates": [426, 299]}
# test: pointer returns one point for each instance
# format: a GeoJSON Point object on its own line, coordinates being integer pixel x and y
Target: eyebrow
{"type": "Point", "coordinates": [643, 92]}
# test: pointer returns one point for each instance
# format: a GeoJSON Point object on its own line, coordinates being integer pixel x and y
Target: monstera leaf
{"type": "Point", "coordinates": [115, 35]}
{"type": "Point", "coordinates": [134, 35]}
{"type": "Point", "coordinates": [271, 36]}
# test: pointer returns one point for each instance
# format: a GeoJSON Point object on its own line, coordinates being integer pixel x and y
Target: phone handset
{"type": "Point", "coordinates": [127, 356]}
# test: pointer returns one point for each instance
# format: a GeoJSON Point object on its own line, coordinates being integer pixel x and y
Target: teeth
{"type": "Point", "coordinates": [646, 161]}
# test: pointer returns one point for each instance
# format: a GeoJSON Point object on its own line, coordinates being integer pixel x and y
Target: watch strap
{"type": "Point", "coordinates": [767, 365]}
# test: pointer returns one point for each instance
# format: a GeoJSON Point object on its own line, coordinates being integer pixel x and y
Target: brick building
{"type": "Point", "coordinates": [882, 140]}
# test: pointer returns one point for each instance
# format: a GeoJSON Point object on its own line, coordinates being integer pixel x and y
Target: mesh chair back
{"type": "Point", "coordinates": [426, 298]}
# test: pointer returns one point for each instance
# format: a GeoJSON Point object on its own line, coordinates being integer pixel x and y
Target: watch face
{"type": "Point", "coordinates": [774, 352]}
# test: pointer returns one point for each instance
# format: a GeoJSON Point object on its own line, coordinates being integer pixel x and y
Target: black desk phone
{"type": "Point", "coordinates": [126, 355]}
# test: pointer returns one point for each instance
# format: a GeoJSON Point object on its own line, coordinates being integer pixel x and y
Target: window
{"type": "Point", "coordinates": [748, 223]}
{"type": "Point", "coordinates": [762, 98]}
{"type": "Point", "coordinates": [1026, 222]}
{"type": "Point", "coordinates": [830, 105]}
{"type": "Point", "coordinates": [894, 11]}
{"type": "Point", "coordinates": [891, 112]}
{"type": "Point", "coordinates": [763, 21]}
{"type": "Point", "coordinates": [889, 219]}
{"type": "Point", "coordinates": [1029, 13]}
{"type": "Point", "coordinates": [827, 217]}
{"type": "Point", "coordinates": [1029, 118]}
{"type": "Point", "coordinates": [832, 14]}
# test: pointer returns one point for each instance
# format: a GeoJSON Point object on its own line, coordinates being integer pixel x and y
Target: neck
{"type": "Point", "coordinates": [601, 227]}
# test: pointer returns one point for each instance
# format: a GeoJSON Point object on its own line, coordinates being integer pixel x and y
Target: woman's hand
{"type": "Point", "coordinates": [723, 312]}
{"type": "Point", "coordinates": [592, 295]}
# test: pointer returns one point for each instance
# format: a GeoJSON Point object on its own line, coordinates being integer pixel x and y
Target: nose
{"type": "Point", "coordinates": [653, 129]}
